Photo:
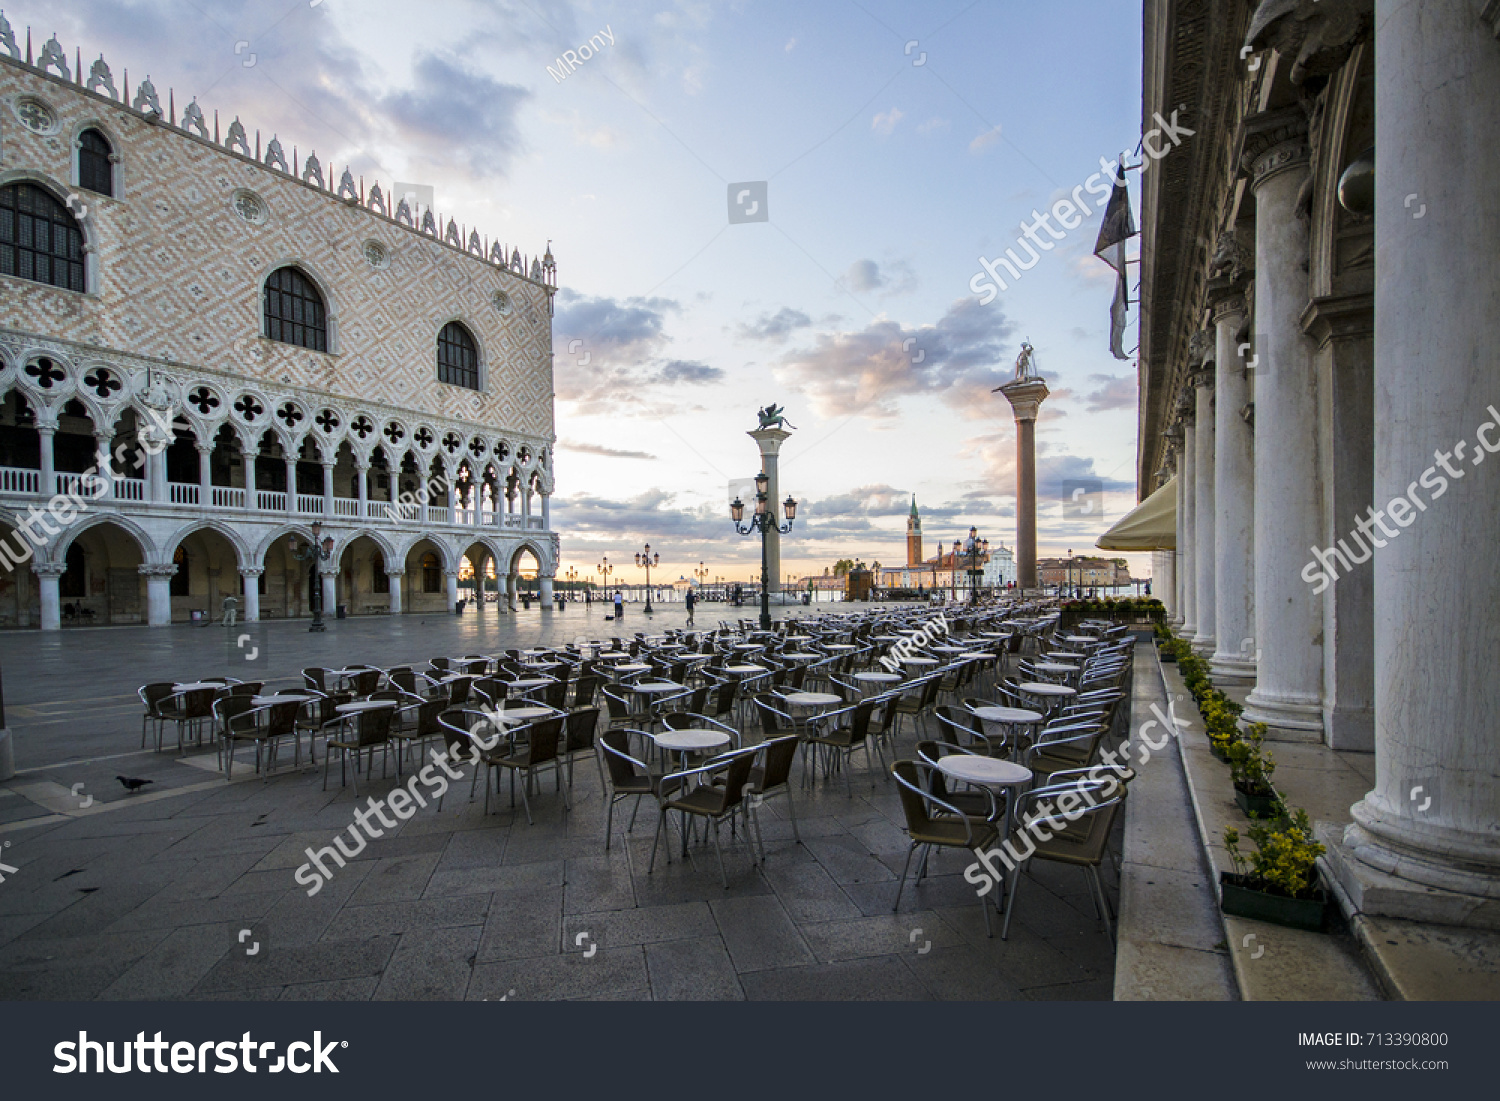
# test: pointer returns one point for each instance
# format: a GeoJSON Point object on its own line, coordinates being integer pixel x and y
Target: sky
{"type": "Point", "coordinates": [896, 144]}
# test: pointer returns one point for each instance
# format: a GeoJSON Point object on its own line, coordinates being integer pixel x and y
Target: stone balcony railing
{"type": "Point", "coordinates": [267, 504]}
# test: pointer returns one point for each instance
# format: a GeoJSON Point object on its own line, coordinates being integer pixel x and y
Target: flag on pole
{"type": "Point", "coordinates": [1117, 228]}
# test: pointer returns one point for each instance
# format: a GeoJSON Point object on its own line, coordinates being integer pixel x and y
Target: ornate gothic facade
{"type": "Point", "coordinates": [211, 348]}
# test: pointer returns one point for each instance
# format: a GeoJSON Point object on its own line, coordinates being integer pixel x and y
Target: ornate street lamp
{"type": "Point", "coordinates": [605, 569]}
{"type": "Point", "coordinates": [316, 552]}
{"type": "Point", "coordinates": [763, 521]}
{"type": "Point", "coordinates": [973, 547]}
{"type": "Point", "coordinates": [646, 559]}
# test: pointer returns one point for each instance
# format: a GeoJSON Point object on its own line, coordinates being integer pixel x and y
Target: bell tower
{"type": "Point", "coordinates": [914, 536]}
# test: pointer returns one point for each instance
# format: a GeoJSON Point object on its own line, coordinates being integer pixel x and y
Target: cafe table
{"type": "Point", "coordinates": [990, 772]}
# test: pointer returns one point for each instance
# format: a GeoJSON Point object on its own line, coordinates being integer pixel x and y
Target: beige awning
{"type": "Point", "coordinates": [1151, 525]}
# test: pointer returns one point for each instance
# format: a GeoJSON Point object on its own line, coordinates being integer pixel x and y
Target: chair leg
{"type": "Point", "coordinates": [525, 800]}
{"type": "Point", "coordinates": [1010, 902]}
{"type": "Point", "coordinates": [984, 906]}
{"type": "Point", "coordinates": [722, 873]}
{"type": "Point", "coordinates": [904, 869]}
{"type": "Point", "coordinates": [792, 812]}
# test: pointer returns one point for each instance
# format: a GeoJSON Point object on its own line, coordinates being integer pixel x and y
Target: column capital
{"type": "Point", "coordinates": [769, 440]}
{"type": "Point", "coordinates": [394, 571]}
{"type": "Point", "coordinates": [452, 575]}
{"type": "Point", "coordinates": [1226, 304]}
{"type": "Point", "coordinates": [1273, 142]}
{"type": "Point", "coordinates": [1335, 317]}
{"type": "Point", "coordinates": [48, 569]}
{"type": "Point", "coordinates": [1025, 397]}
{"type": "Point", "coordinates": [1202, 379]}
{"type": "Point", "coordinates": [167, 569]}
{"type": "Point", "coordinates": [251, 571]}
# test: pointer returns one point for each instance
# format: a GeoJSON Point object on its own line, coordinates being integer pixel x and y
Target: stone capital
{"type": "Point", "coordinates": [1227, 307]}
{"type": "Point", "coordinates": [168, 569]}
{"type": "Point", "coordinates": [769, 440]}
{"type": "Point", "coordinates": [1273, 142]}
{"type": "Point", "coordinates": [48, 569]}
{"type": "Point", "coordinates": [249, 572]}
{"type": "Point", "coordinates": [396, 571]}
{"type": "Point", "coordinates": [1202, 379]}
{"type": "Point", "coordinates": [1339, 317]}
{"type": "Point", "coordinates": [1315, 37]}
{"type": "Point", "coordinates": [1025, 397]}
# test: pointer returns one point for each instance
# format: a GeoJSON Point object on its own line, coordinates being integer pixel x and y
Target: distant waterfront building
{"type": "Point", "coordinates": [944, 571]}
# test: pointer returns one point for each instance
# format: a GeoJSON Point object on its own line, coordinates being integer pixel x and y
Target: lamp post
{"type": "Point", "coordinates": [647, 560]}
{"type": "Point", "coordinates": [973, 547]}
{"type": "Point", "coordinates": [604, 570]}
{"type": "Point", "coordinates": [764, 521]}
{"type": "Point", "coordinates": [316, 552]}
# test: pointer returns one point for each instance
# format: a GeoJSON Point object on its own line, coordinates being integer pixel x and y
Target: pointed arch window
{"type": "Point", "coordinates": [294, 310]}
{"type": "Point", "coordinates": [39, 238]}
{"type": "Point", "coordinates": [458, 357]}
{"type": "Point", "coordinates": [95, 170]}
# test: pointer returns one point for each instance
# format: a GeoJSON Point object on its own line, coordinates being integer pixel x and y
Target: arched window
{"type": "Point", "coordinates": [39, 240]}
{"type": "Point", "coordinates": [458, 357]}
{"type": "Point", "coordinates": [180, 580]}
{"type": "Point", "coordinates": [94, 170]}
{"type": "Point", "coordinates": [73, 582]}
{"type": "Point", "coordinates": [294, 310]}
{"type": "Point", "coordinates": [432, 574]}
{"type": "Point", "coordinates": [380, 581]}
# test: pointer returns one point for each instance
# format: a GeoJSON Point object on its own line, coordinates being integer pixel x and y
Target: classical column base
{"type": "Point", "coordinates": [1287, 719]}
{"type": "Point", "coordinates": [1203, 646]}
{"type": "Point", "coordinates": [1383, 878]}
{"type": "Point", "coordinates": [1351, 729]}
{"type": "Point", "coordinates": [1232, 668]}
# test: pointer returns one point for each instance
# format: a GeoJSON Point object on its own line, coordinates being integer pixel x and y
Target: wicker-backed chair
{"type": "Point", "coordinates": [772, 775]}
{"type": "Point", "coordinates": [363, 730]}
{"type": "Point", "coordinates": [152, 696]}
{"type": "Point", "coordinates": [541, 750]}
{"type": "Point", "coordinates": [628, 774]}
{"type": "Point", "coordinates": [926, 830]}
{"type": "Point", "coordinates": [718, 796]}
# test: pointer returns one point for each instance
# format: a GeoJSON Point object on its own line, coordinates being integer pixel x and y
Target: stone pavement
{"type": "Point", "coordinates": [162, 895]}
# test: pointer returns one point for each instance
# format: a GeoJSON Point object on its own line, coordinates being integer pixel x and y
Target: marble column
{"type": "Point", "coordinates": [205, 476]}
{"type": "Point", "coordinates": [362, 487]}
{"type": "Point", "coordinates": [104, 488]}
{"type": "Point", "coordinates": [1164, 580]}
{"type": "Point", "coordinates": [252, 494]}
{"type": "Point", "coordinates": [1025, 396]}
{"type": "Point", "coordinates": [1288, 693]}
{"type": "Point", "coordinates": [769, 440]}
{"type": "Point", "coordinates": [396, 577]}
{"type": "Point", "coordinates": [159, 594]}
{"type": "Point", "coordinates": [1187, 558]}
{"type": "Point", "coordinates": [251, 577]}
{"type": "Point", "coordinates": [502, 590]}
{"type": "Point", "coordinates": [1233, 661]}
{"type": "Point", "coordinates": [47, 575]}
{"type": "Point", "coordinates": [452, 576]}
{"type": "Point", "coordinates": [547, 511]}
{"type": "Point", "coordinates": [1204, 514]}
{"type": "Point", "coordinates": [327, 489]}
{"type": "Point", "coordinates": [47, 482]}
{"type": "Point", "coordinates": [1343, 328]}
{"type": "Point", "coordinates": [512, 587]}
{"type": "Point", "coordinates": [545, 586]}
{"type": "Point", "coordinates": [291, 485]}
{"type": "Point", "coordinates": [328, 579]}
{"type": "Point", "coordinates": [1437, 112]}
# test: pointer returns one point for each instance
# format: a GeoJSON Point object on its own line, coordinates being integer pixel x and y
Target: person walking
{"type": "Point", "coordinates": [692, 602]}
{"type": "Point", "coordinates": [231, 609]}
{"type": "Point", "coordinates": [619, 605]}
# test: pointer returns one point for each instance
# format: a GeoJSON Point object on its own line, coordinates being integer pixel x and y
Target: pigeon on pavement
{"type": "Point", "coordinates": [132, 784]}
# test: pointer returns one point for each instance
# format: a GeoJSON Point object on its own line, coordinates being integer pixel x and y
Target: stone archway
{"type": "Point", "coordinates": [364, 580]}
{"type": "Point", "coordinates": [208, 571]}
{"type": "Point", "coordinates": [100, 568]}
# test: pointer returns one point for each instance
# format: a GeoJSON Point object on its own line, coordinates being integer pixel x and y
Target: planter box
{"type": "Point", "coordinates": [1213, 747]}
{"type": "Point", "coordinates": [1260, 806]}
{"type": "Point", "coordinates": [1167, 657]}
{"type": "Point", "coordinates": [1295, 913]}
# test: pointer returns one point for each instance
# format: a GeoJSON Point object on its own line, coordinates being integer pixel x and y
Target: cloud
{"type": "Point", "coordinates": [863, 372]}
{"type": "Point", "coordinates": [603, 452]}
{"type": "Point", "coordinates": [886, 122]}
{"type": "Point", "coordinates": [451, 111]}
{"type": "Point", "coordinates": [984, 140]}
{"type": "Point", "coordinates": [626, 331]}
{"type": "Point", "coordinates": [1112, 392]}
{"type": "Point", "coordinates": [865, 276]}
{"type": "Point", "coordinates": [681, 370]}
{"type": "Point", "coordinates": [932, 124]}
{"type": "Point", "coordinates": [775, 327]}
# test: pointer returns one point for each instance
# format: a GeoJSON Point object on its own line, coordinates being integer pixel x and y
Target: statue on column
{"type": "Point", "coordinates": [773, 416]}
{"type": "Point", "coordinates": [1024, 367]}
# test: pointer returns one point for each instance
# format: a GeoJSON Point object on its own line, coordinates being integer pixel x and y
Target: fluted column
{"type": "Point", "coordinates": [1437, 695]}
{"type": "Point", "coordinates": [1187, 559]}
{"type": "Point", "coordinates": [1204, 516]}
{"type": "Point", "coordinates": [1234, 501]}
{"type": "Point", "coordinates": [1288, 691]}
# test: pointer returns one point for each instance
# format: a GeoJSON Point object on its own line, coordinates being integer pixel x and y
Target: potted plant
{"type": "Point", "coordinates": [1251, 770]}
{"type": "Point", "coordinates": [1278, 882]}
